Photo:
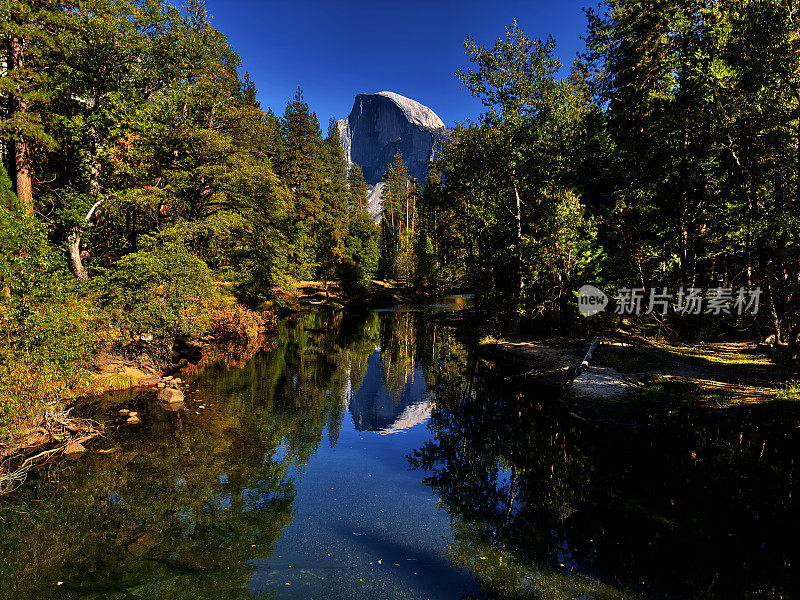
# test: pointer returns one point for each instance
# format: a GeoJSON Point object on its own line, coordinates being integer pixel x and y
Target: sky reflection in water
{"type": "Point", "coordinates": [371, 456]}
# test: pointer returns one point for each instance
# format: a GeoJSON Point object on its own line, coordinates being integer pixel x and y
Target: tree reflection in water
{"type": "Point", "coordinates": [693, 504]}
{"type": "Point", "coordinates": [193, 500]}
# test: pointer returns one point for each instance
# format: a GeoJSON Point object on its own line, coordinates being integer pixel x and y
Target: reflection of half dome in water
{"type": "Point", "coordinates": [374, 409]}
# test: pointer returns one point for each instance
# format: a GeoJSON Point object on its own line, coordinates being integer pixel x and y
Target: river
{"type": "Point", "coordinates": [372, 456]}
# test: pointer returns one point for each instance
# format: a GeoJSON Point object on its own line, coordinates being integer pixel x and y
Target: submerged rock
{"type": "Point", "coordinates": [170, 395]}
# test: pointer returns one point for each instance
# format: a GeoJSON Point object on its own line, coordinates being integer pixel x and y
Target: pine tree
{"type": "Point", "coordinates": [302, 166]}
{"type": "Point", "coordinates": [357, 191]}
{"type": "Point", "coordinates": [395, 207]}
{"type": "Point", "coordinates": [334, 224]}
{"type": "Point", "coordinates": [31, 29]}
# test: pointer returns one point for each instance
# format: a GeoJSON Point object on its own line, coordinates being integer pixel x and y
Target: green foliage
{"type": "Point", "coordinates": [362, 249]}
{"type": "Point", "coordinates": [559, 254]}
{"type": "Point", "coordinates": [46, 328]}
{"type": "Point", "coordinates": [693, 167]}
{"type": "Point", "coordinates": [353, 279]}
{"type": "Point", "coordinates": [502, 199]}
{"type": "Point", "coordinates": [162, 289]}
{"type": "Point", "coordinates": [8, 200]}
{"type": "Point", "coordinates": [425, 259]}
{"type": "Point", "coordinates": [398, 213]}
{"type": "Point", "coordinates": [790, 392]}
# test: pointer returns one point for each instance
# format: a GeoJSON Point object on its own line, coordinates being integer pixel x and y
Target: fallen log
{"type": "Point", "coordinates": [584, 364]}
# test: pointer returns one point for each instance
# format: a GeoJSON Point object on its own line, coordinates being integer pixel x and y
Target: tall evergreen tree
{"type": "Point", "coordinates": [30, 30]}
{"type": "Point", "coordinates": [334, 224]}
{"type": "Point", "coordinates": [302, 165]}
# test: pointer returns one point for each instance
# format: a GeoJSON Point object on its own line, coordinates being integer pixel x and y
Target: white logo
{"type": "Point", "coordinates": [591, 300]}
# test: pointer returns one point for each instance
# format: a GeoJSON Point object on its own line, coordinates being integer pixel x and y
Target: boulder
{"type": "Point", "coordinates": [172, 406]}
{"type": "Point", "coordinates": [74, 449]}
{"type": "Point", "coordinates": [170, 395]}
{"type": "Point", "coordinates": [146, 337]}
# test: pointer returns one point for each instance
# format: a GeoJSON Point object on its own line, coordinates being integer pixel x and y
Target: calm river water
{"type": "Point", "coordinates": [372, 456]}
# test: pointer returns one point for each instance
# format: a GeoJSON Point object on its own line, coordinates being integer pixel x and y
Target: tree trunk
{"type": "Point", "coordinates": [74, 254]}
{"type": "Point", "coordinates": [74, 247]}
{"type": "Point", "coordinates": [776, 319]}
{"type": "Point", "coordinates": [512, 493]}
{"type": "Point", "coordinates": [22, 161]}
{"type": "Point", "coordinates": [518, 233]}
{"type": "Point", "coordinates": [407, 195]}
{"type": "Point", "coordinates": [94, 166]}
{"type": "Point", "coordinates": [74, 241]}
{"type": "Point", "coordinates": [792, 342]}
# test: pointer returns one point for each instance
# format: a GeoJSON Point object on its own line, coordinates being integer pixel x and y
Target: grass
{"type": "Point", "coordinates": [117, 381]}
{"type": "Point", "coordinates": [790, 392]}
{"type": "Point", "coordinates": [630, 360]}
{"type": "Point", "coordinates": [488, 340]}
{"type": "Point", "coordinates": [662, 390]}
{"type": "Point", "coordinates": [665, 389]}
{"type": "Point", "coordinates": [718, 354]}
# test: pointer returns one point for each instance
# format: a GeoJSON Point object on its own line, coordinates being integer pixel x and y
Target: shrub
{"type": "Point", "coordinates": [46, 329]}
{"type": "Point", "coordinates": [163, 289]}
{"type": "Point", "coordinates": [353, 280]}
{"type": "Point", "coordinates": [235, 323]}
{"type": "Point", "coordinates": [25, 388]}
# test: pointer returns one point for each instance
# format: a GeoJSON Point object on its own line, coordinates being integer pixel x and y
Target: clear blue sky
{"type": "Point", "coordinates": [336, 49]}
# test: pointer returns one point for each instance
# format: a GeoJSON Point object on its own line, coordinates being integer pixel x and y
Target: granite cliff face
{"type": "Point", "coordinates": [382, 124]}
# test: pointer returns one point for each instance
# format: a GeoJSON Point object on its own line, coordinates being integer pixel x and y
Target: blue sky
{"type": "Point", "coordinates": [336, 49]}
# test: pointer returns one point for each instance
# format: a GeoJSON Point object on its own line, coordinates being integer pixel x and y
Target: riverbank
{"type": "Point", "coordinates": [631, 372]}
{"type": "Point", "coordinates": [628, 378]}
{"type": "Point", "coordinates": [374, 294]}
{"type": "Point", "coordinates": [46, 431]}
{"type": "Point", "coordinates": [118, 361]}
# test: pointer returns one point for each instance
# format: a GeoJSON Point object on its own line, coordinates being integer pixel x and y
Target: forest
{"type": "Point", "coordinates": [143, 185]}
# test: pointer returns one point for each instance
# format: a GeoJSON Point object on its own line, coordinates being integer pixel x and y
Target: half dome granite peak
{"type": "Point", "coordinates": [382, 124]}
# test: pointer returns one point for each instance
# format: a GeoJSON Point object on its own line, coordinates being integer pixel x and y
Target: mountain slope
{"type": "Point", "coordinates": [382, 124]}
